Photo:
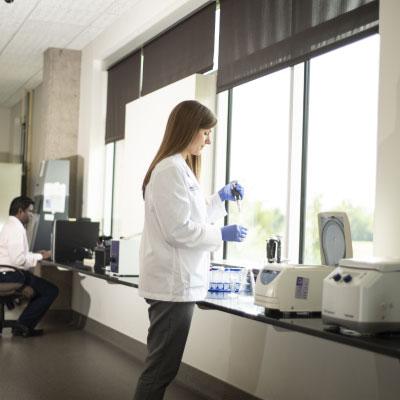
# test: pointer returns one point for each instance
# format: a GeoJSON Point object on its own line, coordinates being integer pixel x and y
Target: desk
{"type": "Point", "coordinates": [243, 306]}
{"type": "Point", "coordinates": [95, 272]}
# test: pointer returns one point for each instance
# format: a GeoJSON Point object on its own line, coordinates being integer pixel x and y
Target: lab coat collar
{"type": "Point", "coordinates": [14, 220]}
{"type": "Point", "coordinates": [178, 156]}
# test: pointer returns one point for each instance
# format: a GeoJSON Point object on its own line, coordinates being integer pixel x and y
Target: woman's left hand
{"type": "Point", "coordinates": [232, 191]}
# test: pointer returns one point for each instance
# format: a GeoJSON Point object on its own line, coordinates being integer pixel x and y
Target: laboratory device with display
{"type": "Point", "coordinates": [290, 287]}
{"type": "Point", "coordinates": [363, 295]}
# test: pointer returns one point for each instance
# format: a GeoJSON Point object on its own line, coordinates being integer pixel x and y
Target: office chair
{"type": "Point", "coordinates": [9, 293]}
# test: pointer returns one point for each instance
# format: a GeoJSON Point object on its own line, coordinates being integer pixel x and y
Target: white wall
{"type": "Point", "coordinates": [15, 132]}
{"type": "Point", "coordinates": [10, 184]}
{"type": "Point", "coordinates": [5, 119]}
{"type": "Point", "coordinates": [387, 210]}
{"type": "Point", "coordinates": [10, 133]}
{"type": "Point", "coordinates": [142, 23]}
{"type": "Point", "coordinates": [269, 363]}
{"type": "Point", "coordinates": [146, 119]}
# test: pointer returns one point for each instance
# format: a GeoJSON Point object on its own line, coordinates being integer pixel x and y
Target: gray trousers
{"type": "Point", "coordinates": [166, 340]}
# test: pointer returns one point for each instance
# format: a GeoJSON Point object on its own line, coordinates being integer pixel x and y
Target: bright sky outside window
{"type": "Point", "coordinates": [342, 141]}
{"type": "Point", "coordinates": [108, 188]}
{"type": "Point", "coordinates": [259, 160]}
{"type": "Point", "coordinates": [341, 150]}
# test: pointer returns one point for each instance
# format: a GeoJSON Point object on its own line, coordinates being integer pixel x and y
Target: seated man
{"type": "Point", "coordinates": [14, 252]}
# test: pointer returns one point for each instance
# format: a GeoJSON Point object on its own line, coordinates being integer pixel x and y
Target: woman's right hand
{"type": "Point", "coordinates": [232, 191]}
{"type": "Point", "coordinates": [233, 233]}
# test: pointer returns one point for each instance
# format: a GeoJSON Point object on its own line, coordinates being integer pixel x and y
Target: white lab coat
{"type": "Point", "coordinates": [177, 235]}
{"type": "Point", "coordinates": [14, 250]}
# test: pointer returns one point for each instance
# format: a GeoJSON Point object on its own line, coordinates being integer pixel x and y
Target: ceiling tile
{"type": "Point", "coordinates": [30, 27]}
{"type": "Point", "coordinates": [79, 5]}
{"type": "Point", "coordinates": [16, 12]}
{"type": "Point", "coordinates": [36, 37]}
{"type": "Point", "coordinates": [63, 13]}
{"type": "Point", "coordinates": [84, 38]}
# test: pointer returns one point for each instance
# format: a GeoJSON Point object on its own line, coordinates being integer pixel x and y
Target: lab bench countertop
{"type": "Point", "coordinates": [101, 273]}
{"type": "Point", "coordinates": [243, 306]}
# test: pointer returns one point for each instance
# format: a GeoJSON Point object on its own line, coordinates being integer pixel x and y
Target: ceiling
{"type": "Point", "coordinates": [29, 27]}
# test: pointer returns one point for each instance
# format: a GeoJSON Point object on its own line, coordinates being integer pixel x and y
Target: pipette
{"type": "Point", "coordinates": [236, 194]}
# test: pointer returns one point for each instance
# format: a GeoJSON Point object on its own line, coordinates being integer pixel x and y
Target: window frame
{"type": "Point", "coordinates": [300, 225]}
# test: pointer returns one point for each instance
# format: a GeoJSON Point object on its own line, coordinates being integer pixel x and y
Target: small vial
{"type": "Point", "coordinates": [212, 279]}
{"type": "Point", "coordinates": [227, 284]}
{"type": "Point", "coordinates": [219, 280]}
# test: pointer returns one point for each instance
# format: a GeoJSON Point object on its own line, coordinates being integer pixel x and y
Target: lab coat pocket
{"type": "Point", "coordinates": [190, 263]}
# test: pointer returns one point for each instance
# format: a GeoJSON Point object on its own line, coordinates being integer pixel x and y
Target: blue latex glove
{"type": "Point", "coordinates": [232, 191]}
{"type": "Point", "coordinates": [233, 233]}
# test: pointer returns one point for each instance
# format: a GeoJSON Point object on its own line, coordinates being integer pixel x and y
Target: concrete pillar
{"type": "Point", "coordinates": [55, 136]}
{"type": "Point", "coordinates": [61, 82]}
{"type": "Point", "coordinates": [56, 118]}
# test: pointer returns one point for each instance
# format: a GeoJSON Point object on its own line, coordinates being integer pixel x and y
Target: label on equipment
{"type": "Point", "coordinates": [301, 287]}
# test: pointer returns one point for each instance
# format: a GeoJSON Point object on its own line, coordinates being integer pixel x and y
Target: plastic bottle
{"type": "Point", "coordinates": [233, 279]}
{"type": "Point", "coordinates": [227, 283]}
{"type": "Point", "coordinates": [219, 280]}
{"type": "Point", "coordinates": [212, 279]}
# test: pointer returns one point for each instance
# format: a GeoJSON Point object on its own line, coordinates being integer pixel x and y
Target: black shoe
{"type": "Point", "coordinates": [26, 332]}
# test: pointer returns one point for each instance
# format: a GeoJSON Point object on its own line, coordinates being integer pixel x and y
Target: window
{"type": "Point", "coordinates": [108, 188]}
{"type": "Point", "coordinates": [259, 160]}
{"type": "Point", "coordinates": [342, 134]}
{"type": "Point", "coordinates": [265, 151]}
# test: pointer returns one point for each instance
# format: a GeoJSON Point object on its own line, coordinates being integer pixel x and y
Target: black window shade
{"type": "Point", "coordinates": [262, 36]}
{"type": "Point", "coordinates": [183, 50]}
{"type": "Point", "coordinates": [123, 87]}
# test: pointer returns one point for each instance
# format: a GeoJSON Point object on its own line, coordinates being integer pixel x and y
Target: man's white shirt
{"type": "Point", "coordinates": [14, 250]}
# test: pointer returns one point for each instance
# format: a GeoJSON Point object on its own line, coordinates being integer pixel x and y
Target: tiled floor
{"type": "Point", "coordinates": [68, 363]}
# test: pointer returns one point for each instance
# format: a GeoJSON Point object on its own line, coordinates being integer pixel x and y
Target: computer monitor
{"type": "Point", "coordinates": [71, 238]}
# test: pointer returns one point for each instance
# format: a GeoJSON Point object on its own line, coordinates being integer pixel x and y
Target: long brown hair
{"type": "Point", "coordinates": [184, 122]}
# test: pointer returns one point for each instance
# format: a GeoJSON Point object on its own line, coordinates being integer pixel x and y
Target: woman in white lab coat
{"type": "Point", "coordinates": [178, 236]}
